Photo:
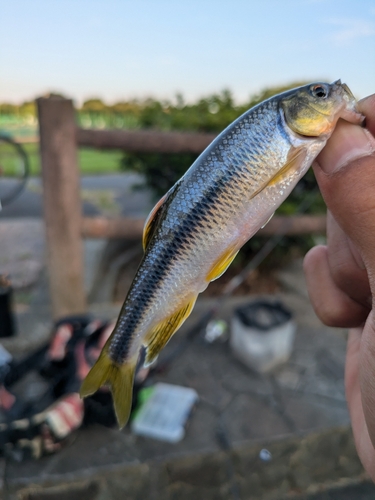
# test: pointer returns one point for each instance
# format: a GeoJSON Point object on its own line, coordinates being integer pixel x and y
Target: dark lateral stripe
{"type": "Point", "coordinates": [194, 220]}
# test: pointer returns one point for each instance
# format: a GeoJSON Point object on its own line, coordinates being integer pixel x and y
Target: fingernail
{"type": "Point", "coordinates": [348, 143]}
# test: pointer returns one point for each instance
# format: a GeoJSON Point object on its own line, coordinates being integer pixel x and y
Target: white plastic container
{"type": "Point", "coordinates": [262, 335]}
{"type": "Point", "coordinates": [164, 415]}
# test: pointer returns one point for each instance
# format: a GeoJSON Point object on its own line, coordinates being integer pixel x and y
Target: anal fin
{"type": "Point", "coordinates": [219, 268]}
{"type": "Point", "coordinates": [159, 336]}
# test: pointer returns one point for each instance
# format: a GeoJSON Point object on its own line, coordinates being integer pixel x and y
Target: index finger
{"type": "Point", "coordinates": [367, 107]}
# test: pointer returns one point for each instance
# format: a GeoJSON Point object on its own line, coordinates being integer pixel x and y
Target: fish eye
{"type": "Point", "coordinates": [319, 91]}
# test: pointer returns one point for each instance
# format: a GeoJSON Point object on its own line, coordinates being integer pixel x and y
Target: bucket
{"type": "Point", "coordinates": [262, 334]}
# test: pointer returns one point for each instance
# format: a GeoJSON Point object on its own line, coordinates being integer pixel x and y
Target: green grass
{"type": "Point", "coordinates": [94, 161]}
{"type": "Point", "coordinates": [91, 161]}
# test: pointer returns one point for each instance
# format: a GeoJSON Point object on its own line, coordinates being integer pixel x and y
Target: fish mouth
{"type": "Point", "coordinates": [347, 90]}
{"type": "Point", "coordinates": [352, 116]}
{"type": "Point", "coordinates": [350, 111]}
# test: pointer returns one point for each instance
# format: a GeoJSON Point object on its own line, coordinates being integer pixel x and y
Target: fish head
{"type": "Point", "coordinates": [313, 110]}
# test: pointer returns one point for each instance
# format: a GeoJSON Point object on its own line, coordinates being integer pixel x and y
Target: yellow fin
{"type": "Point", "coordinates": [293, 163]}
{"type": "Point", "coordinates": [152, 221]}
{"type": "Point", "coordinates": [219, 268]}
{"type": "Point", "coordinates": [159, 336]}
{"type": "Point", "coordinates": [120, 380]}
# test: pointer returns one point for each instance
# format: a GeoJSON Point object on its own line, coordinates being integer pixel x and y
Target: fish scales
{"type": "Point", "coordinates": [234, 178]}
{"type": "Point", "coordinates": [229, 192]}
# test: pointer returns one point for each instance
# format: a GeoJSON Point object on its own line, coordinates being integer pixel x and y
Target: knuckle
{"type": "Point", "coordinates": [341, 314]}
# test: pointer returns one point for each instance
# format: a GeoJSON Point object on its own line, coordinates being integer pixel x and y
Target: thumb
{"type": "Point", "coordinates": [345, 172]}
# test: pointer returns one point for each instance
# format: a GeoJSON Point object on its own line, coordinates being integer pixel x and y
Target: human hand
{"type": "Point", "coordinates": [341, 276]}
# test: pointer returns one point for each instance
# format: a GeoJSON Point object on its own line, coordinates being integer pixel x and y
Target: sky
{"type": "Point", "coordinates": [119, 49]}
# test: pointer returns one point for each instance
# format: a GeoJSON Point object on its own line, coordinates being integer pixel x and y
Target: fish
{"type": "Point", "coordinates": [195, 231]}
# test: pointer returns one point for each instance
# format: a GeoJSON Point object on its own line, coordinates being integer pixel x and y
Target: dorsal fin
{"type": "Point", "coordinates": [152, 221]}
{"type": "Point", "coordinates": [154, 217]}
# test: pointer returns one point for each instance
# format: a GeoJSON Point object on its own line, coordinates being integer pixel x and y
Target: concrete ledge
{"type": "Point", "coordinates": [299, 466]}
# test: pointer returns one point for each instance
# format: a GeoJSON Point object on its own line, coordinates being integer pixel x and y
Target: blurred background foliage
{"type": "Point", "coordinates": [160, 171]}
{"type": "Point", "coordinates": [210, 114]}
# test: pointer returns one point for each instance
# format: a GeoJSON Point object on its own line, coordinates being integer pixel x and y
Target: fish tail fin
{"type": "Point", "coordinates": [120, 380]}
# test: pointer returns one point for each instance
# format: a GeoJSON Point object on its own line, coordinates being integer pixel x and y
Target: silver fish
{"type": "Point", "coordinates": [195, 231]}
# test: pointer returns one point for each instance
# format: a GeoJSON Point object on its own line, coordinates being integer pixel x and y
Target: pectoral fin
{"type": "Point", "coordinates": [219, 268]}
{"type": "Point", "coordinates": [292, 163]}
{"type": "Point", "coordinates": [159, 336]}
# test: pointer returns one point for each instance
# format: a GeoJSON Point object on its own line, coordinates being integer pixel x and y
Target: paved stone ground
{"type": "Point", "coordinates": [319, 466]}
{"type": "Point", "coordinates": [238, 412]}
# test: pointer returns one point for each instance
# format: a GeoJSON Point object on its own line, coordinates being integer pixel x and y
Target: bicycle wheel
{"type": "Point", "coordinates": [14, 169]}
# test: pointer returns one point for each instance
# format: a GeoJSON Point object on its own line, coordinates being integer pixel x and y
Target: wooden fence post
{"type": "Point", "coordinates": [62, 205]}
